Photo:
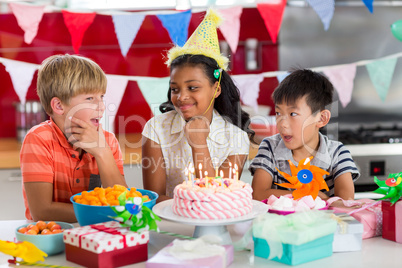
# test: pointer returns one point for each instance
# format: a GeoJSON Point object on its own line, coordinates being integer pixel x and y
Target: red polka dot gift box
{"type": "Point", "coordinates": [105, 244]}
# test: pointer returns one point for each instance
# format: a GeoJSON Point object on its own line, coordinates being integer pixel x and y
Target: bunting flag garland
{"type": "Point", "coordinates": [21, 74]}
{"type": "Point", "coordinates": [126, 27]}
{"type": "Point", "coordinates": [369, 5]}
{"type": "Point", "coordinates": [230, 28]}
{"type": "Point", "coordinates": [114, 94]}
{"type": "Point", "coordinates": [77, 24]}
{"type": "Point", "coordinates": [154, 91]}
{"type": "Point", "coordinates": [249, 87]}
{"type": "Point", "coordinates": [177, 26]}
{"type": "Point", "coordinates": [324, 9]}
{"type": "Point", "coordinates": [272, 14]}
{"type": "Point", "coordinates": [28, 18]}
{"type": "Point", "coordinates": [381, 72]}
{"type": "Point", "coordinates": [280, 77]}
{"type": "Point", "coordinates": [342, 78]}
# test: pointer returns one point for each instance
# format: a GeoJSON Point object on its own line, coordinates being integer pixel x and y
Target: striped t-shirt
{"type": "Point", "coordinates": [331, 156]}
{"type": "Point", "coordinates": [47, 156]}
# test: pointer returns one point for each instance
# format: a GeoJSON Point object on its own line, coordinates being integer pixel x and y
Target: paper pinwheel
{"type": "Point", "coordinates": [391, 187]}
{"type": "Point", "coordinates": [306, 179]}
{"type": "Point", "coordinates": [134, 214]}
{"type": "Point", "coordinates": [24, 250]}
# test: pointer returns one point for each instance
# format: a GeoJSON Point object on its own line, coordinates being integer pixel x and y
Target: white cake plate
{"type": "Point", "coordinates": [208, 227]}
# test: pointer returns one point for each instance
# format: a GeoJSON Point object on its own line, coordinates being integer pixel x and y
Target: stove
{"type": "Point", "coordinates": [376, 149]}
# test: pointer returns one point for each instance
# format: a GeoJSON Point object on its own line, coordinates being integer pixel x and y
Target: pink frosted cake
{"type": "Point", "coordinates": [222, 199]}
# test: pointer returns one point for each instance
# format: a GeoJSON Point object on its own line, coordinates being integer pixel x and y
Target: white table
{"type": "Point", "coordinates": [376, 252]}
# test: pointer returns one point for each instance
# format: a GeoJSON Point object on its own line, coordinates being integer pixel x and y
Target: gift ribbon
{"type": "Point", "coordinates": [341, 220]}
{"type": "Point", "coordinates": [103, 228]}
{"type": "Point", "coordinates": [365, 206]}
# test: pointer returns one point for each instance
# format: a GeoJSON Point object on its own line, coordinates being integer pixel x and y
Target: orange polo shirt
{"type": "Point", "coordinates": [47, 156]}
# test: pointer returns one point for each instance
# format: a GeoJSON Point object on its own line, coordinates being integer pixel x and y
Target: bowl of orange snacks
{"type": "Point", "coordinates": [45, 235]}
{"type": "Point", "coordinates": [91, 207]}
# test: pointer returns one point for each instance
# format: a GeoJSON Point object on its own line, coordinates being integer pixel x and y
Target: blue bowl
{"type": "Point", "coordinates": [51, 244]}
{"type": "Point", "coordinates": [87, 214]}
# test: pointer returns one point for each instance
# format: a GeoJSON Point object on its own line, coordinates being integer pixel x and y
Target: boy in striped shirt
{"type": "Point", "coordinates": [301, 102]}
{"type": "Point", "coordinates": [70, 152]}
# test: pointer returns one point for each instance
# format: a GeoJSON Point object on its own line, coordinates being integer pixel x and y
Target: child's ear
{"type": "Point", "coordinates": [325, 115]}
{"type": "Point", "coordinates": [57, 106]}
{"type": "Point", "coordinates": [217, 87]}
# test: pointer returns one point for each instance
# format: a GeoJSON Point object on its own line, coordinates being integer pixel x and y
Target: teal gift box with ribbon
{"type": "Point", "coordinates": [295, 238]}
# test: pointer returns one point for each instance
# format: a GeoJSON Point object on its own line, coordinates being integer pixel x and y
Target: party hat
{"type": "Point", "coordinates": [204, 41]}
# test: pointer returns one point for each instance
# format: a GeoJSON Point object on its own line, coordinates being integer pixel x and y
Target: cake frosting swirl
{"type": "Point", "coordinates": [222, 199]}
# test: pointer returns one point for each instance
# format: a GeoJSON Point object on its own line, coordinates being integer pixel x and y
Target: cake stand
{"type": "Point", "coordinates": [208, 227]}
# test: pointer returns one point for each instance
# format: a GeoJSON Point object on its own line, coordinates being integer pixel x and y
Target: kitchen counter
{"type": "Point", "coordinates": [376, 252]}
{"type": "Point", "coordinates": [130, 146]}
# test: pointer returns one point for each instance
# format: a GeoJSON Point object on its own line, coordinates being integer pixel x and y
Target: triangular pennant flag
{"type": "Point", "coordinates": [154, 91]}
{"type": "Point", "coordinates": [77, 24]}
{"type": "Point", "coordinates": [21, 74]}
{"type": "Point", "coordinates": [28, 18]}
{"type": "Point", "coordinates": [230, 27]}
{"type": "Point", "coordinates": [369, 5]}
{"type": "Point", "coordinates": [342, 78]}
{"type": "Point", "coordinates": [324, 9]}
{"type": "Point", "coordinates": [280, 77]}
{"type": "Point", "coordinates": [177, 26]}
{"type": "Point", "coordinates": [126, 27]}
{"type": "Point", "coordinates": [272, 14]}
{"type": "Point", "coordinates": [249, 87]}
{"type": "Point", "coordinates": [116, 86]}
{"type": "Point", "coordinates": [381, 73]}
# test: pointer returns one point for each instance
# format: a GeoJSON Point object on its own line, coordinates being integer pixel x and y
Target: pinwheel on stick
{"type": "Point", "coordinates": [306, 179]}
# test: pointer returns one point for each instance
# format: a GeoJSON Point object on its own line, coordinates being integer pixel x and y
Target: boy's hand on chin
{"type": "Point", "coordinates": [197, 131]}
{"type": "Point", "coordinates": [83, 135]}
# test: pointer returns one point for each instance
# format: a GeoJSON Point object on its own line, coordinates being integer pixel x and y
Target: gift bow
{"type": "Point", "coordinates": [390, 188]}
{"type": "Point", "coordinates": [341, 220]}
{"type": "Point", "coordinates": [103, 228]}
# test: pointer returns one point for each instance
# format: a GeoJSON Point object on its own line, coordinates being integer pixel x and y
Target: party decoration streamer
{"type": "Point", "coordinates": [369, 5]}
{"type": "Point", "coordinates": [381, 73]}
{"type": "Point", "coordinates": [324, 9]}
{"type": "Point", "coordinates": [126, 27]}
{"type": "Point", "coordinates": [77, 24]}
{"type": "Point", "coordinates": [342, 78]}
{"type": "Point", "coordinates": [272, 14]}
{"type": "Point", "coordinates": [28, 18]}
{"type": "Point", "coordinates": [230, 27]}
{"type": "Point", "coordinates": [177, 26]}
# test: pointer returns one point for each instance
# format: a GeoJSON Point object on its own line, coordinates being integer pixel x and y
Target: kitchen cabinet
{"type": "Point", "coordinates": [12, 204]}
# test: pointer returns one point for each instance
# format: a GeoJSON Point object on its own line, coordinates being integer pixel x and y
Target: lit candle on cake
{"type": "Point", "coordinates": [230, 170]}
{"type": "Point", "coordinates": [200, 169]}
{"type": "Point", "coordinates": [216, 170]}
{"type": "Point", "coordinates": [187, 173]}
{"type": "Point", "coordinates": [222, 179]}
{"type": "Point", "coordinates": [237, 172]}
{"type": "Point", "coordinates": [206, 178]}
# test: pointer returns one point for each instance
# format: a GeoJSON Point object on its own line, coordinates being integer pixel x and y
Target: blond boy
{"type": "Point", "coordinates": [70, 152]}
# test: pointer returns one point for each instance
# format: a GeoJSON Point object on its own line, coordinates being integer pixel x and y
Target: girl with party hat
{"type": "Point", "coordinates": [202, 127]}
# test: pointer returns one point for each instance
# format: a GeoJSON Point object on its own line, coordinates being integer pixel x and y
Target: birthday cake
{"type": "Point", "coordinates": [218, 199]}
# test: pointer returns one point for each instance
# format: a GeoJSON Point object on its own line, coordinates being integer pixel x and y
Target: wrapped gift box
{"type": "Point", "coordinates": [392, 221]}
{"type": "Point", "coordinates": [164, 259]}
{"type": "Point", "coordinates": [295, 238]}
{"type": "Point", "coordinates": [105, 245]}
{"type": "Point", "coordinates": [370, 215]}
{"type": "Point", "coordinates": [348, 235]}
